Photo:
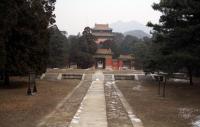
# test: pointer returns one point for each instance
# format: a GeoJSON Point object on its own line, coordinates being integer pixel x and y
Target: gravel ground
{"type": "Point", "coordinates": [116, 114]}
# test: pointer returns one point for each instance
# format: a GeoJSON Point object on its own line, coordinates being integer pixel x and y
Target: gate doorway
{"type": "Point", "coordinates": [100, 63]}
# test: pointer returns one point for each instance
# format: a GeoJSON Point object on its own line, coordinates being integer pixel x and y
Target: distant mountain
{"type": "Point", "coordinates": [137, 33]}
{"type": "Point", "coordinates": [122, 27]}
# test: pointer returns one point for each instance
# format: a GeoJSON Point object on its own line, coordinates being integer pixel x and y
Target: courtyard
{"type": "Point", "coordinates": [124, 103]}
{"type": "Point", "coordinates": [124, 63]}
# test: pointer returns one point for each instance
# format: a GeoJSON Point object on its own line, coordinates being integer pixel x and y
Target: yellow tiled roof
{"type": "Point", "coordinates": [102, 27]}
{"type": "Point", "coordinates": [104, 34]}
{"type": "Point", "coordinates": [104, 51]}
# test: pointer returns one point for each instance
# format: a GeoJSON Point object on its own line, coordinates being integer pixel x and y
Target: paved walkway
{"type": "Point", "coordinates": [92, 112]}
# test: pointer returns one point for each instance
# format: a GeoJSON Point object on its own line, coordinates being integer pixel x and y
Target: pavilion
{"type": "Point", "coordinates": [102, 32]}
{"type": "Point", "coordinates": [103, 57]}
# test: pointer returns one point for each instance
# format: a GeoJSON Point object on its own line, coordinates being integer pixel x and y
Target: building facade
{"type": "Point", "coordinates": [103, 57]}
{"type": "Point", "coordinates": [104, 60]}
{"type": "Point", "coordinates": [102, 32]}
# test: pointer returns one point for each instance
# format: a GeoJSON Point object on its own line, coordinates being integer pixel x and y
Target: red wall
{"type": "Point", "coordinates": [109, 62]}
{"type": "Point", "coordinates": [120, 63]}
{"type": "Point", "coordinates": [116, 65]}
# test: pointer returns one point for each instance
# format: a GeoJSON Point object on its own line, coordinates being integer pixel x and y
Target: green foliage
{"type": "Point", "coordinates": [58, 49]}
{"type": "Point", "coordinates": [24, 35]}
{"type": "Point", "coordinates": [118, 38]}
{"type": "Point", "coordinates": [84, 60]}
{"type": "Point", "coordinates": [82, 49]}
{"type": "Point", "coordinates": [177, 35]}
{"type": "Point", "coordinates": [111, 44]}
{"type": "Point", "coordinates": [8, 20]}
{"type": "Point", "coordinates": [140, 51]}
{"type": "Point", "coordinates": [88, 41]}
{"type": "Point", "coordinates": [139, 48]}
{"type": "Point", "coordinates": [127, 44]}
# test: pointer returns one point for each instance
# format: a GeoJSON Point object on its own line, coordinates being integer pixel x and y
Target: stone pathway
{"type": "Point", "coordinates": [136, 122]}
{"type": "Point", "coordinates": [92, 112]}
{"type": "Point", "coordinates": [63, 113]}
{"type": "Point", "coordinates": [116, 114]}
{"type": "Point", "coordinates": [119, 112]}
{"type": "Point", "coordinates": [102, 105]}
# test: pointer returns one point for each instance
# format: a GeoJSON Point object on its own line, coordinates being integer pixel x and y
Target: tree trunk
{"type": "Point", "coordinates": [6, 79]}
{"type": "Point", "coordinates": [191, 79]}
{"type": "Point", "coordinates": [69, 64]}
{"type": "Point", "coordinates": [190, 76]}
{"type": "Point", "coordinates": [164, 86]}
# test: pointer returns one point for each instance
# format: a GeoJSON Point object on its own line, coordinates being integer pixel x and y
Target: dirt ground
{"type": "Point", "coordinates": [179, 109]}
{"type": "Point", "coordinates": [19, 110]}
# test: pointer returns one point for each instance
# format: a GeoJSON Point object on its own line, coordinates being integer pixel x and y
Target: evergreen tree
{"type": "Point", "coordinates": [58, 48]}
{"type": "Point", "coordinates": [111, 44]}
{"type": "Point", "coordinates": [82, 49]}
{"type": "Point", "coordinates": [24, 35]}
{"type": "Point", "coordinates": [177, 35]}
{"type": "Point", "coordinates": [128, 43]}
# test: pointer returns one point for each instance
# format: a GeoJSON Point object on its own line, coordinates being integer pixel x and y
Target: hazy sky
{"type": "Point", "coordinates": [73, 15]}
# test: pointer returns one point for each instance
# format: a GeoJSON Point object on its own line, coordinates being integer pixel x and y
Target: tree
{"type": "Point", "coordinates": [58, 48]}
{"type": "Point", "coordinates": [127, 44]}
{"type": "Point", "coordinates": [83, 48]}
{"type": "Point", "coordinates": [8, 20]}
{"type": "Point", "coordinates": [177, 35]}
{"type": "Point", "coordinates": [89, 40]}
{"type": "Point", "coordinates": [84, 60]}
{"type": "Point", "coordinates": [73, 48]}
{"type": "Point", "coordinates": [118, 38]}
{"type": "Point", "coordinates": [24, 35]}
{"type": "Point", "coordinates": [111, 44]}
{"type": "Point", "coordinates": [140, 51]}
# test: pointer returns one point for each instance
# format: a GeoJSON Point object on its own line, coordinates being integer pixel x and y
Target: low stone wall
{"type": "Point", "coordinates": [72, 76]}
{"type": "Point", "coordinates": [62, 76]}
{"type": "Point", "coordinates": [124, 77]}
{"type": "Point", "coordinates": [49, 76]}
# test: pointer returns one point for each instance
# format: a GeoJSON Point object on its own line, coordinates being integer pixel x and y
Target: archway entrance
{"type": "Point", "coordinates": [100, 63]}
